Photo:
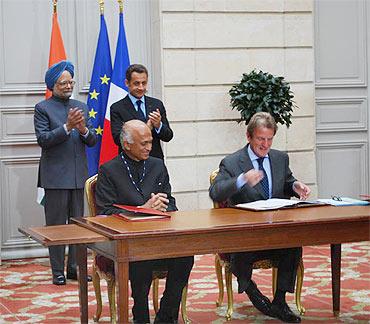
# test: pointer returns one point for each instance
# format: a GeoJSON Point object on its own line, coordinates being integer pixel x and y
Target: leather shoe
{"type": "Point", "coordinates": [284, 313]}
{"type": "Point", "coordinates": [72, 275]}
{"type": "Point", "coordinates": [261, 302]}
{"type": "Point", "coordinates": [59, 280]}
{"type": "Point", "coordinates": [158, 320]}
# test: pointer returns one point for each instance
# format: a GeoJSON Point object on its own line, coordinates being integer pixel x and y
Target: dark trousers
{"type": "Point", "coordinates": [286, 260]}
{"type": "Point", "coordinates": [60, 206]}
{"type": "Point", "coordinates": [141, 279]}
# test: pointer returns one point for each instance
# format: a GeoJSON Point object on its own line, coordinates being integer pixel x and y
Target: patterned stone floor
{"type": "Point", "coordinates": [27, 295]}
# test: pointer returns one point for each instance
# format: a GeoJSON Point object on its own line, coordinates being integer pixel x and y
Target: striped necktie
{"type": "Point", "coordinates": [264, 182]}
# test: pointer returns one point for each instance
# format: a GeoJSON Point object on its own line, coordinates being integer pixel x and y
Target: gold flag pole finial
{"type": "Point", "coordinates": [55, 6]}
{"type": "Point", "coordinates": [120, 2]}
{"type": "Point", "coordinates": [101, 6]}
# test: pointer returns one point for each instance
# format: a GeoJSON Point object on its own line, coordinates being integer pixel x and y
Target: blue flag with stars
{"type": "Point", "coordinates": [98, 94]}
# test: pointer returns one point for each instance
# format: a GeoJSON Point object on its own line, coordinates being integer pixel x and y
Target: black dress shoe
{"type": "Point", "coordinates": [284, 313]}
{"type": "Point", "coordinates": [159, 320]}
{"type": "Point", "coordinates": [59, 280]}
{"type": "Point", "coordinates": [261, 302]}
{"type": "Point", "coordinates": [72, 275]}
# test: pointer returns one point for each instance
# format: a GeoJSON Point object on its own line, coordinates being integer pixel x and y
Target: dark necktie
{"type": "Point", "coordinates": [264, 182]}
{"type": "Point", "coordinates": [141, 114]}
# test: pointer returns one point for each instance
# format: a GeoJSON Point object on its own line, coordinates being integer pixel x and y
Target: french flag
{"type": "Point", "coordinates": [118, 90]}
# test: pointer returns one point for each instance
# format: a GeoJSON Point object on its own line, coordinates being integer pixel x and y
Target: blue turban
{"type": "Point", "coordinates": [55, 71]}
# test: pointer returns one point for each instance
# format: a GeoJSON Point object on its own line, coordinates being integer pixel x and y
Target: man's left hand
{"type": "Point", "coordinates": [155, 118]}
{"type": "Point", "coordinates": [157, 201]}
{"type": "Point", "coordinates": [81, 126]}
{"type": "Point", "coordinates": [301, 189]}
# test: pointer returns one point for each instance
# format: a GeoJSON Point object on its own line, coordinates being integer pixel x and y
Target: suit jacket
{"type": "Point", "coordinates": [224, 187]}
{"type": "Point", "coordinates": [63, 163]}
{"type": "Point", "coordinates": [123, 111]}
{"type": "Point", "coordinates": [115, 187]}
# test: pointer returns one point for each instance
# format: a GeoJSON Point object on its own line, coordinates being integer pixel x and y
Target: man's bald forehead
{"type": "Point", "coordinates": [135, 125]}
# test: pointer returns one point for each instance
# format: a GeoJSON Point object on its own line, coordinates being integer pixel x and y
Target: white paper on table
{"type": "Point", "coordinates": [269, 204]}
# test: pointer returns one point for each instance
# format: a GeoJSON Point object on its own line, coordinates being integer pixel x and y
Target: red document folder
{"type": "Point", "coordinates": [134, 213]}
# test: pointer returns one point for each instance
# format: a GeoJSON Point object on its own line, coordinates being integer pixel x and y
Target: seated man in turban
{"type": "Point", "coordinates": [63, 131]}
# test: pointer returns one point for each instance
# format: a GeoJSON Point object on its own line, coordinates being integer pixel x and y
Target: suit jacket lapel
{"type": "Point", "coordinates": [245, 162]}
{"type": "Point", "coordinates": [148, 106]}
{"type": "Point", "coordinates": [275, 169]}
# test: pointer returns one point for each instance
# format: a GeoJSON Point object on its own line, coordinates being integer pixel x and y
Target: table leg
{"type": "Point", "coordinates": [335, 250]}
{"type": "Point", "coordinates": [122, 275]}
{"type": "Point", "coordinates": [81, 256]}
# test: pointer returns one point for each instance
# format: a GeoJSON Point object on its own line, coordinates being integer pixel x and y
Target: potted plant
{"type": "Point", "coordinates": [261, 91]}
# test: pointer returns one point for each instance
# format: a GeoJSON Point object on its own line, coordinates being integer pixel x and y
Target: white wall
{"type": "Point", "coordinates": [206, 46]}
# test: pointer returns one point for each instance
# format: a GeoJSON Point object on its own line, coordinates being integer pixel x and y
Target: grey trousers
{"type": "Point", "coordinates": [60, 206]}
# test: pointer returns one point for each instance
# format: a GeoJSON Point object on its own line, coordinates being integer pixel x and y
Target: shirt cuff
{"type": "Point", "coordinates": [240, 181]}
{"type": "Point", "coordinates": [158, 130]}
{"type": "Point", "coordinates": [66, 130]}
{"type": "Point", "coordinates": [87, 134]}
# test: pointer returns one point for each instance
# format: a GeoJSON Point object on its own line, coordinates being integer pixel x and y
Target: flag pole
{"type": "Point", "coordinates": [101, 6]}
{"type": "Point", "coordinates": [55, 6]}
{"type": "Point", "coordinates": [120, 2]}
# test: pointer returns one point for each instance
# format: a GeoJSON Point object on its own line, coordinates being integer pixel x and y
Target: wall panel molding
{"type": "Point", "coordinates": [24, 45]}
{"type": "Point", "coordinates": [17, 125]}
{"type": "Point", "coordinates": [349, 160]}
{"type": "Point", "coordinates": [18, 206]}
{"type": "Point", "coordinates": [341, 61]}
{"type": "Point", "coordinates": [341, 114]}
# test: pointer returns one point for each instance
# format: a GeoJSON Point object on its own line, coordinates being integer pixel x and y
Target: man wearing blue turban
{"type": "Point", "coordinates": [63, 130]}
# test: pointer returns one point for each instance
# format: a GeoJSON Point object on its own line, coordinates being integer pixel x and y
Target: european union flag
{"type": "Point", "coordinates": [98, 93]}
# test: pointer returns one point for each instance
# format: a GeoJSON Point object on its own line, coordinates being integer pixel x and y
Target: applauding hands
{"type": "Point", "coordinates": [154, 119]}
{"type": "Point", "coordinates": [76, 119]}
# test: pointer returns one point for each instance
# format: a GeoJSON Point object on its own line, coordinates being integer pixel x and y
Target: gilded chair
{"type": "Point", "coordinates": [222, 261]}
{"type": "Point", "coordinates": [103, 268]}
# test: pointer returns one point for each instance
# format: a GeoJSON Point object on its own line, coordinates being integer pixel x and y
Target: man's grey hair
{"type": "Point", "coordinates": [125, 135]}
{"type": "Point", "coordinates": [261, 119]}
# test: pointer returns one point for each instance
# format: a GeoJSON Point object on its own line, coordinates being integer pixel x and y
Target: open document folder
{"type": "Point", "coordinates": [277, 203]}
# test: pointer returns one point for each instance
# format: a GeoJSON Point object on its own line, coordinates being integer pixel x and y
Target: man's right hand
{"type": "Point", "coordinates": [253, 176]}
{"type": "Point", "coordinates": [74, 118]}
{"type": "Point", "coordinates": [157, 201]}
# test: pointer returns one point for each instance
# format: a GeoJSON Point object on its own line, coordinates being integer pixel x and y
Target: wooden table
{"type": "Point", "coordinates": [221, 230]}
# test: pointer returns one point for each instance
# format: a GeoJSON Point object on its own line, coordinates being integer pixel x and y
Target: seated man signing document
{"type": "Point", "coordinates": [134, 178]}
{"type": "Point", "coordinates": [253, 173]}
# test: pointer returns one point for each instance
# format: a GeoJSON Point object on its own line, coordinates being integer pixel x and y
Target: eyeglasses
{"type": "Point", "coordinates": [63, 84]}
{"type": "Point", "coordinates": [336, 198]}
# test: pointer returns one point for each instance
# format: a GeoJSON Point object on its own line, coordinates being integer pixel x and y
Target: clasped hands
{"type": "Point", "coordinates": [76, 119]}
{"type": "Point", "coordinates": [253, 176]}
{"type": "Point", "coordinates": [154, 119]}
{"type": "Point", "coordinates": [157, 201]}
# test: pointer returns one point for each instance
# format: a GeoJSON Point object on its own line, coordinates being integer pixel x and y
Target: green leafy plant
{"type": "Point", "coordinates": [261, 91]}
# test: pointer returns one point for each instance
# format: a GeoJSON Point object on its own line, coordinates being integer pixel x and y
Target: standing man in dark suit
{"type": "Point", "coordinates": [63, 131]}
{"type": "Point", "coordinates": [138, 106]}
{"type": "Point", "coordinates": [134, 178]}
{"type": "Point", "coordinates": [253, 173]}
